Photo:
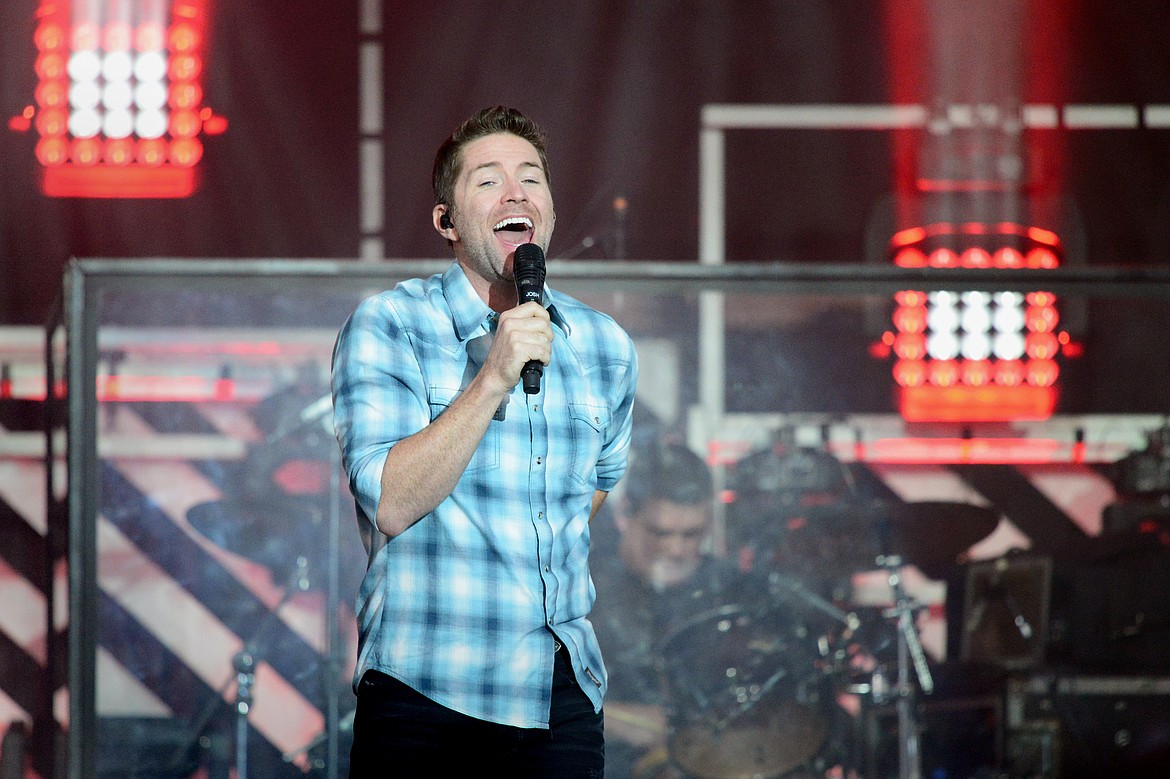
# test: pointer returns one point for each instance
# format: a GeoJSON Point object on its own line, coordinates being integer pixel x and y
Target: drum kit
{"type": "Point", "coordinates": [759, 690]}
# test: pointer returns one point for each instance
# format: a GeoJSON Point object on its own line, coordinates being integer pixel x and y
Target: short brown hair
{"type": "Point", "coordinates": [487, 121]}
{"type": "Point", "coordinates": [671, 472]}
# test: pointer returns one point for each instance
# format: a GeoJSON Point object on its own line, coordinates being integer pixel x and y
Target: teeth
{"type": "Point", "coordinates": [513, 220]}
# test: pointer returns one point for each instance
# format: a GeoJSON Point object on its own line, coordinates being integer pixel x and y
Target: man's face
{"type": "Point", "coordinates": [662, 542]}
{"type": "Point", "coordinates": [502, 199]}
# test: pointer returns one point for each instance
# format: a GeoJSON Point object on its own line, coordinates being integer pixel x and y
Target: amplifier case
{"type": "Point", "coordinates": [1087, 727]}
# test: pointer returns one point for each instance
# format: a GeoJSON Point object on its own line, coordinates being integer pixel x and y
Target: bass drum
{"type": "Point", "coordinates": [746, 698]}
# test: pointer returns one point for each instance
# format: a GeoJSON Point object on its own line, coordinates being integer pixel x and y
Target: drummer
{"type": "Point", "coordinates": [659, 577]}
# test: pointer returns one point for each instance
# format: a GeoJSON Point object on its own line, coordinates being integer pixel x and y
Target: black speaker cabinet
{"type": "Point", "coordinates": [1006, 617]}
{"type": "Point", "coordinates": [959, 738]}
{"type": "Point", "coordinates": [1087, 727]}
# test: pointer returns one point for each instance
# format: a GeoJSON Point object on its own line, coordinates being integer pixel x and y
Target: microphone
{"type": "Point", "coordinates": [528, 271]}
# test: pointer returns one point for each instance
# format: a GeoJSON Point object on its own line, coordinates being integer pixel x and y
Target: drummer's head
{"type": "Point", "coordinates": [667, 515]}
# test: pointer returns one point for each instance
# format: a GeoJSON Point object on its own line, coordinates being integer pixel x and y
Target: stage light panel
{"type": "Point", "coordinates": [118, 99]}
{"type": "Point", "coordinates": [976, 355]}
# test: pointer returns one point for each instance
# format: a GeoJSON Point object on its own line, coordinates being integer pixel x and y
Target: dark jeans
{"type": "Point", "coordinates": [397, 732]}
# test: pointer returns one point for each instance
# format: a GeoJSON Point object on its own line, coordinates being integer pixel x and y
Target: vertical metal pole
{"type": "Point", "coordinates": [372, 196]}
{"type": "Point", "coordinates": [45, 725]}
{"type": "Point", "coordinates": [81, 317]}
{"type": "Point", "coordinates": [712, 240]}
{"type": "Point", "coordinates": [333, 663]}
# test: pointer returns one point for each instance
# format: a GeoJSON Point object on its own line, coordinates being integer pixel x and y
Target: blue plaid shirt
{"type": "Point", "coordinates": [460, 606]}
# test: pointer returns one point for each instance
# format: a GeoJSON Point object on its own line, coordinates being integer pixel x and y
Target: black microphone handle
{"type": "Point", "coordinates": [528, 270]}
{"type": "Point", "coordinates": [533, 370]}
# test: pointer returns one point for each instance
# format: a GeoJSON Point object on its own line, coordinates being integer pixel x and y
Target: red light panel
{"type": "Point", "coordinates": [960, 403]}
{"type": "Point", "coordinates": [976, 356]}
{"type": "Point", "coordinates": [119, 97]}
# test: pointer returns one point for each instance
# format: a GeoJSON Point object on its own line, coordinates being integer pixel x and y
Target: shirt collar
{"type": "Point", "coordinates": [468, 311]}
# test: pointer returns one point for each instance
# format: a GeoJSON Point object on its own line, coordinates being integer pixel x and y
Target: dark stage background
{"type": "Point", "coordinates": [619, 86]}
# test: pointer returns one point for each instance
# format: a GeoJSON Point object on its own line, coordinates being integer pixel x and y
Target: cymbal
{"type": "Point", "coordinates": [820, 541]}
{"type": "Point", "coordinates": [840, 539]}
{"type": "Point", "coordinates": [273, 532]}
{"type": "Point", "coordinates": [933, 533]}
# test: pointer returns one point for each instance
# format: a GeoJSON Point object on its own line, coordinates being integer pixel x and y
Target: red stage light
{"type": "Point", "coordinates": [976, 355]}
{"type": "Point", "coordinates": [184, 67]}
{"type": "Point", "coordinates": [117, 37]}
{"type": "Point", "coordinates": [1041, 318]}
{"type": "Point", "coordinates": [52, 94]}
{"type": "Point", "coordinates": [50, 65]}
{"type": "Point", "coordinates": [944, 258]}
{"type": "Point", "coordinates": [52, 123]}
{"type": "Point", "coordinates": [1042, 346]}
{"type": "Point", "coordinates": [49, 37]}
{"type": "Point", "coordinates": [1009, 373]}
{"type": "Point", "coordinates": [152, 152]}
{"type": "Point", "coordinates": [86, 36]}
{"type": "Point", "coordinates": [185, 124]}
{"type": "Point", "coordinates": [185, 152]}
{"type": "Point", "coordinates": [149, 37]}
{"type": "Point", "coordinates": [910, 258]}
{"type": "Point", "coordinates": [118, 86]}
{"type": "Point", "coordinates": [943, 373]}
{"type": "Point", "coordinates": [1008, 257]}
{"type": "Point", "coordinates": [1041, 258]}
{"type": "Point", "coordinates": [86, 151]}
{"type": "Point", "coordinates": [183, 38]}
{"type": "Point", "coordinates": [976, 373]}
{"type": "Point", "coordinates": [1042, 373]}
{"type": "Point", "coordinates": [910, 346]}
{"type": "Point", "coordinates": [120, 151]}
{"type": "Point", "coordinates": [991, 403]}
{"type": "Point", "coordinates": [910, 373]}
{"type": "Point", "coordinates": [1040, 235]}
{"type": "Point", "coordinates": [910, 319]}
{"type": "Point", "coordinates": [52, 151]}
{"type": "Point", "coordinates": [975, 257]}
{"type": "Point", "coordinates": [185, 95]}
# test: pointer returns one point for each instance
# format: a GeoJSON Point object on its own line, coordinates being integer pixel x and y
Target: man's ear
{"type": "Point", "coordinates": [441, 217]}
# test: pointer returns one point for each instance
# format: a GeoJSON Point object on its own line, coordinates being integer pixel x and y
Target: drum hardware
{"type": "Point", "coordinates": [910, 652]}
{"type": "Point", "coordinates": [764, 713]}
{"type": "Point", "coordinates": [782, 585]}
{"type": "Point", "coordinates": [244, 664]}
{"type": "Point", "coordinates": [743, 695]}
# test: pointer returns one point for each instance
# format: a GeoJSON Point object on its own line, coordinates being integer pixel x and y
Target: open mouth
{"type": "Point", "coordinates": [514, 230]}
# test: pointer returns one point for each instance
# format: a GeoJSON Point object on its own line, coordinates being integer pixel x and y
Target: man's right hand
{"type": "Point", "coordinates": [522, 334]}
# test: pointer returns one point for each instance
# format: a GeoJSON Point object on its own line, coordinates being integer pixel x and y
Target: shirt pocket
{"type": "Point", "coordinates": [487, 454]}
{"type": "Point", "coordinates": [588, 423]}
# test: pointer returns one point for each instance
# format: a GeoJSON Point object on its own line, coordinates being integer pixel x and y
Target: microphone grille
{"type": "Point", "coordinates": [528, 263]}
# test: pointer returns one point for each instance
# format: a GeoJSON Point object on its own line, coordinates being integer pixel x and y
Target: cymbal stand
{"type": "Point", "coordinates": [244, 664]}
{"type": "Point", "coordinates": [909, 652]}
{"type": "Point", "coordinates": [244, 675]}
